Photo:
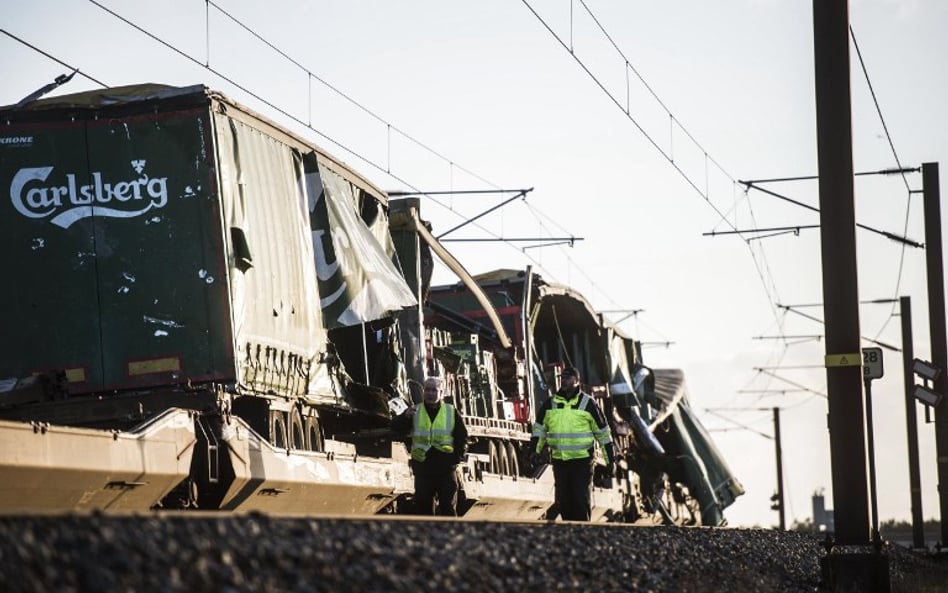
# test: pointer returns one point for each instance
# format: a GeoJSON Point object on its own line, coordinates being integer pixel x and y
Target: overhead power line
{"type": "Point", "coordinates": [761, 264]}
{"type": "Point", "coordinates": [895, 155]}
{"type": "Point", "coordinates": [537, 214]}
{"type": "Point", "coordinates": [886, 234]}
{"type": "Point", "coordinates": [704, 193]}
{"type": "Point", "coordinates": [55, 59]}
{"type": "Point", "coordinates": [553, 241]}
{"type": "Point", "coordinates": [384, 169]}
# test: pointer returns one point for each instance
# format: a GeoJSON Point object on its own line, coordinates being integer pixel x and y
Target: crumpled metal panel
{"type": "Point", "coordinates": [130, 94]}
{"type": "Point", "coordinates": [709, 477]}
{"type": "Point", "coordinates": [358, 281]}
{"type": "Point", "coordinates": [277, 322]}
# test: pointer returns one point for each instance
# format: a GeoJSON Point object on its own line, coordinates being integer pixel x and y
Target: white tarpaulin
{"type": "Point", "coordinates": [357, 280]}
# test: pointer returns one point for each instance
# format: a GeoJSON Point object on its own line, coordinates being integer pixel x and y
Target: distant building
{"type": "Point", "coordinates": [822, 517]}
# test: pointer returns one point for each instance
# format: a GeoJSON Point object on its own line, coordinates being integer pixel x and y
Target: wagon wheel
{"type": "Point", "coordinates": [296, 433]}
{"type": "Point", "coordinates": [494, 465]}
{"type": "Point", "coordinates": [503, 458]}
{"type": "Point", "coordinates": [314, 435]}
{"type": "Point", "coordinates": [278, 429]}
{"type": "Point", "coordinates": [514, 463]}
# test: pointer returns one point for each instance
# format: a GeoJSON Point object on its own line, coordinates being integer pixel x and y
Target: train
{"type": "Point", "coordinates": [204, 310]}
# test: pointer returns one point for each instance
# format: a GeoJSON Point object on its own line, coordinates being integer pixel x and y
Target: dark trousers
{"type": "Point", "coordinates": [573, 488]}
{"type": "Point", "coordinates": [444, 486]}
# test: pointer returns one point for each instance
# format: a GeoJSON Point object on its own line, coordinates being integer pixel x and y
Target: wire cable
{"type": "Point", "coordinates": [307, 125]}
{"type": "Point", "coordinates": [55, 59]}
{"type": "Point", "coordinates": [908, 189]}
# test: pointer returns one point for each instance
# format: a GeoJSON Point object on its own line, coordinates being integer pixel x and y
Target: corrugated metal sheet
{"type": "Point", "coordinates": [276, 317]}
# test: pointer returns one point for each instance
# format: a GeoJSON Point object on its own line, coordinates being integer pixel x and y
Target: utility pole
{"type": "Point", "coordinates": [936, 323]}
{"type": "Point", "coordinates": [778, 503]}
{"type": "Point", "coordinates": [873, 491]}
{"type": "Point", "coordinates": [911, 423]}
{"type": "Point", "coordinates": [840, 292]}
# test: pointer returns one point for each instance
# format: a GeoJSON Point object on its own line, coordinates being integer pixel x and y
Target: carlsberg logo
{"type": "Point", "coordinates": [32, 197]}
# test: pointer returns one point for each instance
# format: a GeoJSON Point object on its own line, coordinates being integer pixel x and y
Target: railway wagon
{"type": "Point", "coordinates": [210, 312]}
{"type": "Point", "coordinates": [670, 470]}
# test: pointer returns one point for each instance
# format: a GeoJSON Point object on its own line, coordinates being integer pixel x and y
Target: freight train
{"type": "Point", "coordinates": [205, 311]}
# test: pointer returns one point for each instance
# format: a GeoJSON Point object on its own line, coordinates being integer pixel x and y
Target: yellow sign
{"type": "Point", "coordinates": [844, 360]}
{"type": "Point", "coordinates": [155, 365]}
{"type": "Point", "coordinates": [77, 375]}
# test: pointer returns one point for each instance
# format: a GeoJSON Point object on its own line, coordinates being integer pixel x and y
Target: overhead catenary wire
{"type": "Point", "coordinates": [668, 157]}
{"type": "Point", "coordinates": [740, 425]}
{"type": "Point", "coordinates": [762, 269]}
{"type": "Point", "coordinates": [903, 240]}
{"type": "Point", "coordinates": [758, 257]}
{"type": "Point", "coordinates": [345, 95]}
{"type": "Point", "coordinates": [760, 262]}
{"type": "Point", "coordinates": [886, 234]}
{"type": "Point", "coordinates": [54, 58]}
{"type": "Point", "coordinates": [895, 155]}
{"type": "Point", "coordinates": [273, 106]}
{"type": "Point", "coordinates": [322, 134]}
{"type": "Point", "coordinates": [875, 101]}
{"type": "Point", "coordinates": [362, 157]}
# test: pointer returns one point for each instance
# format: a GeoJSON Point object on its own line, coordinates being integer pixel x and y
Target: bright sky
{"type": "Point", "coordinates": [460, 95]}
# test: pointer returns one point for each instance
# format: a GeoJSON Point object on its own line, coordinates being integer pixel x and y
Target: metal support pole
{"type": "Point", "coordinates": [870, 443]}
{"type": "Point", "coordinates": [911, 422]}
{"type": "Point", "coordinates": [783, 521]}
{"type": "Point", "coordinates": [526, 307]}
{"type": "Point", "coordinates": [840, 291]}
{"type": "Point", "coordinates": [936, 323]}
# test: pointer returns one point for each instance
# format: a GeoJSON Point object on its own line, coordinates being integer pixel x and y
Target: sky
{"type": "Point", "coordinates": [633, 143]}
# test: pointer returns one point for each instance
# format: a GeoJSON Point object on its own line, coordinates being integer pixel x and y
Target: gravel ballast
{"type": "Point", "coordinates": [255, 553]}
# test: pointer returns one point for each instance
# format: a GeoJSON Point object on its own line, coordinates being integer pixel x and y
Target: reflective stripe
{"type": "Point", "coordinates": [584, 403]}
{"type": "Point", "coordinates": [538, 431]}
{"type": "Point", "coordinates": [603, 435]}
{"type": "Point", "coordinates": [569, 435]}
{"type": "Point", "coordinates": [437, 432]}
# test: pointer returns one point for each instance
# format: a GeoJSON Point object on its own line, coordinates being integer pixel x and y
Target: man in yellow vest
{"type": "Point", "coordinates": [572, 423]}
{"type": "Point", "coordinates": [438, 444]}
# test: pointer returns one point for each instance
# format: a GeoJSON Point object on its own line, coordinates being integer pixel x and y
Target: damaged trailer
{"type": "Point", "coordinates": [173, 250]}
{"type": "Point", "coordinates": [671, 471]}
{"type": "Point", "coordinates": [178, 255]}
{"type": "Point", "coordinates": [212, 313]}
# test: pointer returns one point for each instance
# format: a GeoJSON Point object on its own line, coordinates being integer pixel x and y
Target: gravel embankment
{"type": "Point", "coordinates": [258, 554]}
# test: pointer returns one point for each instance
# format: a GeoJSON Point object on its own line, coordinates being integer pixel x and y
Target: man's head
{"type": "Point", "coordinates": [570, 380]}
{"type": "Point", "coordinates": [432, 394]}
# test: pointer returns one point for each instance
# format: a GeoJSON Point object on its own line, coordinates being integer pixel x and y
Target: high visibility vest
{"type": "Point", "coordinates": [428, 433]}
{"type": "Point", "coordinates": [570, 430]}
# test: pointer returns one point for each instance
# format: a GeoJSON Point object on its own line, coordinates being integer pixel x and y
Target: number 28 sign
{"type": "Point", "coordinates": [871, 363]}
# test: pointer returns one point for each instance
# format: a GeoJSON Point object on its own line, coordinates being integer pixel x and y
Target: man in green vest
{"type": "Point", "coordinates": [572, 424]}
{"type": "Point", "coordinates": [438, 444]}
